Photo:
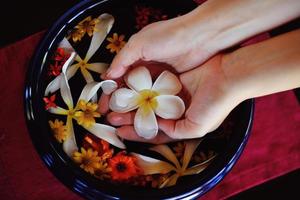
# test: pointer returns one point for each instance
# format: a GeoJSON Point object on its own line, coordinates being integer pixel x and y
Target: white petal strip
{"type": "Point", "coordinates": [196, 169]}
{"type": "Point", "coordinates": [65, 44]}
{"type": "Point", "coordinates": [190, 147]}
{"type": "Point", "coordinates": [123, 100]}
{"type": "Point", "coordinates": [145, 124]}
{"type": "Point", "coordinates": [139, 79]}
{"type": "Point", "coordinates": [54, 85]}
{"type": "Point", "coordinates": [165, 151]}
{"type": "Point", "coordinates": [106, 133]}
{"type": "Point", "coordinates": [72, 70]}
{"type": "Point", "coordinates": [87, 75]}
{"type": "Point", "coordinates": [69, 145]}
{"type": "Point", "coordinates": [172, 180]}
{"type": "Point", "coordinates": [64, 85]}
{"type": "Point", "coordinates": [58, 110]}
{"type": "Point", "coordinates": [169, 107]}
{"type": "Point", "coordinates": [91, 89]}
{"type": "Point", "coordinates": [102, 29]}
{"type": "Point", "coordinates": [167, 83]}
{"type": "Point", "coordinates": [97, 67]}
{"type": "Point", "coordinates": [153, 166]}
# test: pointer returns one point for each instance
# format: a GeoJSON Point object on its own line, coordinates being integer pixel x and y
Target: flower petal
{"type": "Point", "coordinates": [139, 79]}
{"type": "Point", "coordinates": [97, 67]}
{"type": "Point", "coordinates": [64, 85]}
{"type": "Point", "coordinates": [167, 83]}
{"type": "Point", "coordinates": [190, 147]}
{"type": "Point", "coordinates": [196, 169]}
{"type": "Point", "coordinates": [169, 106]}
{"type": "Point", "coordinates": [58, 110]}
{"type": "Point", "coordinates": [65, 44]}
{"type": "Point", "coordinates": [102, 29]}
{"type": "Point", "coordinates": [72, 70]}
{"type": "Point", "coordinates": [123, 100]}
{"type": "Point", "coordinates": [171, 181]}
{"type": "Point", "coordinates": [106, 133]}
{"type": "Point", "coordinates": [153, 166]}
{"type": "Point", "coordinates": [87, 75]}
{"type": "Point", "coordinates": [69, 145]}
{"type": "Point", "coordinates": [165, 151]}
{"type": "Point", "coordinates": [54, 85]}
{"type": "Point", "coordinates": [145, 124]}
{"type": "Point", "coordinates": [91, 89]}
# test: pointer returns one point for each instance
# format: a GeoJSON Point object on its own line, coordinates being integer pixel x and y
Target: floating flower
{"type": "Point", "coordinates": [50, 102]}
{"type": "Point", "coordinates": [59, 130]}
{"type": "Point", "coordinates": [76, 35]}
{"type": "Point", "coordinates": [55, 69]}
{"type": "Point", "coordinates": [179, 150]}
{"type": "Point", "coordinates": [103, 172]}
{"type": "Point", "coordinates": [153, 166]}
{"type": "Point", "coordinates": [88, 160]}
{"type": "Point", "coordinates": [123, 167]}
{"type": "Point", "coordinates": [100, 130]}
{"type": "Point", "coordinates": [88, 25]}
{"type": "Point", "coordinates": [103, 27]}
{"type": "Point", "coordinates": [116, 43]}
{"type": "Point", "coordinates": [86, 115]}
{"type": "Point", "coordinates": [149, 100]}
{"type": "Point", "coordinates": [60, 55]}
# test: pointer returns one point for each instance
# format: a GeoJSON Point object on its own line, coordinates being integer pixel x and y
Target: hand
{"type": "Point", "coordinates": [211, 101]}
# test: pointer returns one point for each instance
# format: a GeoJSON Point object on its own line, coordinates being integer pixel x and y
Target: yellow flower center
{"type": "Point", "coordinates": [146, 101]}
{"type": "Point", "coordinates": [71, 113]}
{"type": "Point", "coordinates": [87, 113]}
{"type": "Point", "coordinates": [82, 64]}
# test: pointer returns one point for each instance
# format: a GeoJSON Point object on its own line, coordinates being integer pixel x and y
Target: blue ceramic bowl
{"type": "Point", "coordinates": [63, 167]}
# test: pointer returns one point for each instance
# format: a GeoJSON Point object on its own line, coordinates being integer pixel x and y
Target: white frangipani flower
{"type": "Point", "coordinates": [102, 28]}
{"type": "Point", "coordinates": [102, 131]}
{"type": "Point", "coordinates": [149, 99]}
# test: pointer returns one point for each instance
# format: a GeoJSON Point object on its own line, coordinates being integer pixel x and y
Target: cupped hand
{"type": "Point", "coordinates": [167, 42]}
{"type": "Point", "coordinates": [212, 99]}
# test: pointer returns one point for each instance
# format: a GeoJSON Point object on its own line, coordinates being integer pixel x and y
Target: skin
{"type": "Point", "coordinates": [217, 83]}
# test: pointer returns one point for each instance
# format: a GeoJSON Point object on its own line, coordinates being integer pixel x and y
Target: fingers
{"type": "Point", "coordinates": [128, 133]}
{"type": "Point", "coordinates": [103, 104]}
{"type": "Point", "coordinates": [120, 119]}
{"type": "Point", "coordinates": [122, 61]}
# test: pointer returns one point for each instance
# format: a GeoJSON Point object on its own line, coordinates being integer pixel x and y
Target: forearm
{"type": "Point", "coordinates": [219, 24]}
{"type": "Point", "coordinates": [264, 68]}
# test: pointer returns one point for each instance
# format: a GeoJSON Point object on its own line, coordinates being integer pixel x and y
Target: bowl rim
{"type": "Point", "coordinates": [58, 165]}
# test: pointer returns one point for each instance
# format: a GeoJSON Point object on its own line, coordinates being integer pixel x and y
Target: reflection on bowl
{"type": "Point", "coordinates": [77, 149]}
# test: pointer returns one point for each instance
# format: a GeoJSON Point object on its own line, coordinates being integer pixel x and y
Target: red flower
{"type": "Point", "coordinates": [123, 167]}
{"type": "Point", "coordinates": [99, 145]}
{"type": "Point", "coordinates": [50, 102]}
{"type": "Point", "coordinates": [55, 69]}
{"type": "Point", "coordinates": [60, 55]}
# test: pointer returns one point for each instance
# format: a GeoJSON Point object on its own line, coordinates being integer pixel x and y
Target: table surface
{"type": "Point", "coordinates": [43, 14]}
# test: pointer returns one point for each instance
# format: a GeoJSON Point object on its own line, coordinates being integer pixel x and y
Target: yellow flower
{"type": "Point", "coordinates": [104, 170]}
{"type": "Point", "coordinates": [88, 160]}
{"type": "Point", "coordinates": [87, 25]}
{"type": "Point", "coordinates": [58, 129]}
{"type": "Point", "coordinates": [116, 43]}
{"type": "Point", "coordinates": [76, 35]}
{"type": "Point", "coordinates": [86, 117]}
{"type": "Point", "coordinates": [179, 150]}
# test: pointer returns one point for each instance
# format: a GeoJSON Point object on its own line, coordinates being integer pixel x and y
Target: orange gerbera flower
{"type": "Point", "coordinates": [116, 43]}
{"type": "Point", "coordinates": [123, 167]}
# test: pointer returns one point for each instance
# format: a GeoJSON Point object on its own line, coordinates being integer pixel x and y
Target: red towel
{"type": "Point", "coordinates": [273, 148]}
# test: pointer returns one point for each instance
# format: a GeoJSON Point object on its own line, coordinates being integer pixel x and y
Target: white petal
{"type": "Point", "coordinates": [190, 148]}
{"type": "Point", "coordinates": [169, 106]}
{"type": "Point", "coordinates": [123, 100]}
{"type": "Point", "coordinates": [139, 79]}
{"type": "Point", "coordinates": [102, 29]}
{"type": "Point", "coordinates": [97, 67]}
{"type": "Point", "coordinates": [91, 89]}
{"type": "Point", "coordinates": [68, 63]}
{"type": "Point", "coordinates": [69, 145]}
{"type": "Point", "coordinates": [54, 85]}
{"type": "Point", "coordinates": [58, 110]}
{"type": "Point", "coordinates": [167, 83]}
{"type": "Point", "coordinates": [106, 133]}
{"type": "Point", "coordinates": [172, 180]}
{"type": "Point", "coordinates": [66, 92]}
{"type": "Point", "coordinates": [87, 75]}
{"type": "Point", "coordinates": [165, 151]}
{"type": "Point", "coordinates": [152, 165]}
{"type": "Point", "coordinates": [71, 71]}
{"type": "Point", "coordinates": [145, 124]}
{"type": "Point", "coordinates": [196, 169]}
{"type": "Point", "coordinates": [65, 44]}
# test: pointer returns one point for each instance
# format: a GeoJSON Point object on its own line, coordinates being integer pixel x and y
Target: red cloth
{"type": "Point", "coordinates": [273, 148]}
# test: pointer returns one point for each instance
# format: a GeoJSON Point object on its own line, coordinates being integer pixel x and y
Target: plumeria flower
{"type": "Point", "coordinates": [149, 99]}
{"type": "Point", "coordinates": [85, 118]}
{"type": "Point", "coordinates": [154, 166]}
{"type": "Point", "coordinates": [102, 28]}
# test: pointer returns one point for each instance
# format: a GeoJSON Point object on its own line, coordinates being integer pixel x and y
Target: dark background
{"type": "Point", "coordinates": [20, 19]}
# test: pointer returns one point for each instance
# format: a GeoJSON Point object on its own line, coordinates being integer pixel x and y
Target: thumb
{"type": "Point", "coordinates": [123, 60]}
